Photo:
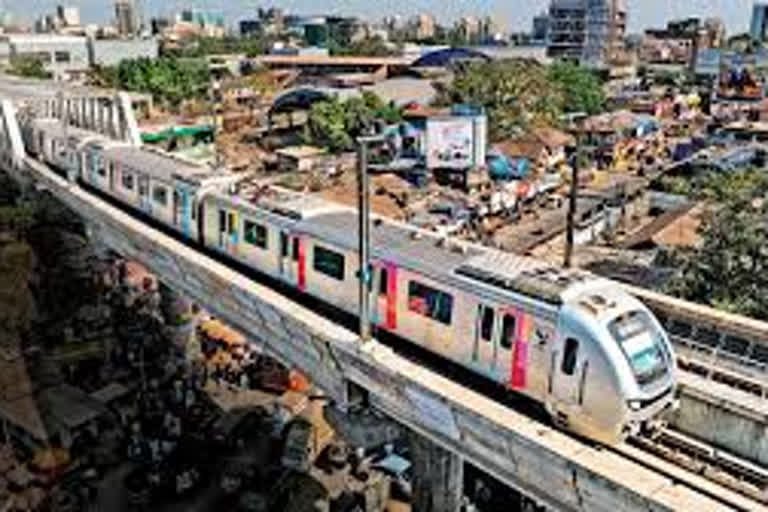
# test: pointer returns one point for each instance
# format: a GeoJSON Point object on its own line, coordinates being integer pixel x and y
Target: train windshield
{"type": "Point", "coordinates": [642, 345]}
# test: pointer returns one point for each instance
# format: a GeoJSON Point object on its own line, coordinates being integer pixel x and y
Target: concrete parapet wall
{"type": "Point", "coordinates": [722, 416]}
{"type": "Point", "coordinates": [556, 469]}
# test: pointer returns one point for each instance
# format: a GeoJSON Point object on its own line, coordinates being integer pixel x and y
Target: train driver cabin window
{"type": "Point", "coordinates": [427, 301]}
{"type": "Point", "coordinates": [329, 263]}
{"type": "Point", "coordinates": [255, 234]}
{"type": "Point", "coordinates": [570, 356]}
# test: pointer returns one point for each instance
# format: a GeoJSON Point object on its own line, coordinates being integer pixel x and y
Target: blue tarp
{"type": "Point", "coordinates": [500, 167]}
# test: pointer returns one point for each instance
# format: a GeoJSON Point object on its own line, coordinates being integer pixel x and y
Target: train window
{"type": "Point", "coordinates": [329, 263]}
{"type": "Point", "coordinates": [295, 244]}
{"type": "Point", "coordinates": [160, 195]}
{"type": "Point", "coordinates": [283, 245]}
{"type": "Point", "coordinates": [429, 302]}
{"type": "Point", "coordinates": [232, 223]}
{"type": "Point", "coordinates": [127, 180]}
{"type": "Point", "coordinates": [193, 209]}
{"type": "Point", "coordinates": [570, 356]}
{"type": "Point", "coordinates": [508, 324]}
{"type": "Point", "coordinates": [383, 281]}
{"type": "Point", "coordinates": [255, 234]}
{"type": "Point", "coordinates": [101, 168]}
{"type": "Point", "coordinates": [222, 221]}
{"type": "Point", "coordinates": [486, 323]}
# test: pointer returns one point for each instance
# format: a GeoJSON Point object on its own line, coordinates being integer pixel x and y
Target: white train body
{"type": "Point", "coordinates": [593, 355]}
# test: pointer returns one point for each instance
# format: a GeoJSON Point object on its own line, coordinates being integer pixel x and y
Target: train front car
{"type": "Point", "coordinates": [629, 375]}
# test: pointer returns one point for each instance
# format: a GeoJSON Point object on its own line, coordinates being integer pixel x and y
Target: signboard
{"type": "Point", "coordinates": [742, 76]}
{"type": "Point", "coordinates": [708, 62]}
{"type": "Point", "coordinates": [451, 142]}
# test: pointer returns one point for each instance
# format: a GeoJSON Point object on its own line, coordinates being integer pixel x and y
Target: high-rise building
{"type": "Point", "coordinates": [759, 21]}
{"type": "Point", "coordinates": [425, 26]}
{"type": "Point", "coordinates": [588, 31]}
{"type": "Point", "coordinates": [540, 28]}
{"type": "Point", "coordinates": [125, 17]}
{"type": "Point", "coordinates": [68, 15]}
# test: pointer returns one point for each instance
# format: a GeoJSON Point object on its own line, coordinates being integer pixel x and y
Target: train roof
{"type": "Point", "coordinates": [456, 262]}
{"type": "Point", "coordinates": [290, 205]}
{"type": "Point", "coordinates": [163, 166]}
{"type": "Point", "coordinates": [55, 128]}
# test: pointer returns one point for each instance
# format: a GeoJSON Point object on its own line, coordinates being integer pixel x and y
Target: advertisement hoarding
{"type": "Point", "coordinates": [456, 142]}
{"type": "Point", "coordinates": [742, 76]}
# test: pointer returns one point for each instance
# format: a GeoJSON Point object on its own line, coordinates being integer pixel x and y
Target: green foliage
{"type": "Point", "coordinates": [718, 186]}
{"type": "Point", "coordinates": [335, 124]}
{"type": "Point", "coordinates": [369, 46]}
{"type": "Point", "coordinates": [582, 89]}
{"type": "Point", "coordinates": [167, 79]}
{"type": "Point", "coordinates": [729, 268]}
{"type": "Point", "coordinates": [515, 93]}
{"type": "Point", "coordinates": [204, 46]}
{"type": "Point", "coordinates": [29, 67]}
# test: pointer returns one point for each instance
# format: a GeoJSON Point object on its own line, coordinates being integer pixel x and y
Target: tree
{"type": "Point", "coordinates": [516, 93]}
{"type": "Point", "coordinates": [728, 268]}
{"type": "Point", "coordinates": [171, 80]}
{"type": "Point", "coordinates": [335, 124]}
{"type": "Point", "coordinates": [369, 46]}
{"type": "Point", "coordinates": [29, 67]}
{"type": "Point", "coordinates": [581, 89]}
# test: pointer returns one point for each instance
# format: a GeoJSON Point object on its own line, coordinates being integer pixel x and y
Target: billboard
{"type": "Point", "coordinates": [708, 62]}
{"type": "Point", "coordinates": [742, 76]}
{"type": "Point", "coordinates": [456, 142]}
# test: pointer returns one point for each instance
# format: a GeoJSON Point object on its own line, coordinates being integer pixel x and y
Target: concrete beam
{"type": "Point", "coordinates": [553, 468]}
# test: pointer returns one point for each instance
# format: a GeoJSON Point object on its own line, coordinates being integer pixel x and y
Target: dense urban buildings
{"type": "Point", "coordinates": [759, 23]}
{"type": "Point", "coordinates": [565, 274]}
{"type": "Point", "coordinates": [588, 31]}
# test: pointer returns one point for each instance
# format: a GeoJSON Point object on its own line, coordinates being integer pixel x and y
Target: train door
{"type": "Point", "coordinates": [225, 229]}
{"type": "Point", "coordinates": [144, 202]}
{"type": "Point", "coordinates": [485, 349]}
{"type": "Point", "coordinates": [567, 376]}
{"type": "Point", "coordinates": [182, 210]}
{"type": "Point", "coordinates": [292, 260]}
{"type": "Point", "coordinates": [384, 295]}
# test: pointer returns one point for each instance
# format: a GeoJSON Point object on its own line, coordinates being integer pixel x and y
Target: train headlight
{"type": "Point", "coordinates": [635, 405]}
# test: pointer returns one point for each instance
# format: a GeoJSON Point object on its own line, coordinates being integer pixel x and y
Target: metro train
{"type": "Point", "coordinates": [594, 356]}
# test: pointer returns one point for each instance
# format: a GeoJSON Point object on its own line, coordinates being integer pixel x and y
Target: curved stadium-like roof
{"type": "Point", "coordinates": [445, 57]}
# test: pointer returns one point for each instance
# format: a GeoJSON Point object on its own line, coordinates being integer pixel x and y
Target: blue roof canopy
{"type": "Point", "coordinates": [443, 58]}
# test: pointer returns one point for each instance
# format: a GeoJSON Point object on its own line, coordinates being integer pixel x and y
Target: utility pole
{"type": "Point", "coordinates": [215, 108]}
{"type": "Point", "coordinates": [364, 207]}
{"type": "Point", "coordinates": [573, 158]}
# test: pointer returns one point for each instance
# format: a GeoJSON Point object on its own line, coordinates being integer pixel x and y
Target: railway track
{"type": "Point", "coordinates": [705, 461]}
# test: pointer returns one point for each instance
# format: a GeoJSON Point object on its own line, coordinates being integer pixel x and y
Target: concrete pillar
{"type": "Point", "coordinates": [438, 477]}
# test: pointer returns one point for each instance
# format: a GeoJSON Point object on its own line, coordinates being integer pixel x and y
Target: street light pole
{"type": "Point", "coordinates": [574, 161]}
{"type": "Point", "coordinates": [364, 252]}
{"type": "Point", "coordinates": [363, 197]}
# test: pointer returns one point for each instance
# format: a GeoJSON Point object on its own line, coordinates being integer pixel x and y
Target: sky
{"type": "Point", "coordinates": [513, 14]}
